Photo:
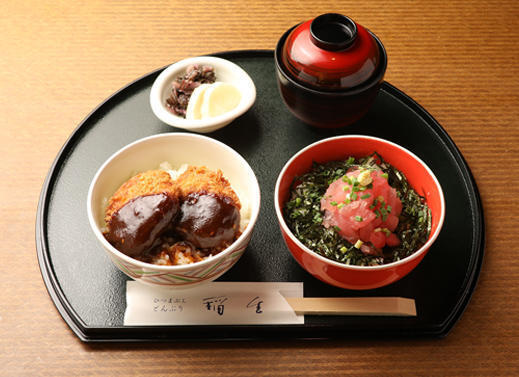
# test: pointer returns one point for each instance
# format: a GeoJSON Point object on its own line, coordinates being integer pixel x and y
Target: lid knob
{"type": "Point", "coordinates": [333, 31]}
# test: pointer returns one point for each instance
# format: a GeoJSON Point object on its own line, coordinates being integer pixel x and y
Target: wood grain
{"type": "Point", "coordinates": [60, 59]}
{"type": "Point", "coordinates": [368, 306]}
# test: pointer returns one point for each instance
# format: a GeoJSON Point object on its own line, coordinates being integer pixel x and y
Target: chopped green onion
{"type": "Point", "coordinates": [383, 211]}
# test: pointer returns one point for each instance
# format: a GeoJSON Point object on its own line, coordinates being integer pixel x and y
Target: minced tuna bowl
{"type": "Point", "coordinates": [358, 212]}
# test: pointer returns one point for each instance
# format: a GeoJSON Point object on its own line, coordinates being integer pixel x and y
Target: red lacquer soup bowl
{"type": "Point", "coordinates": [419, 176]}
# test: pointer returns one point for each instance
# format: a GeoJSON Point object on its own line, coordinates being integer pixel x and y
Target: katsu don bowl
{"type": "Point", "coordinates": [175, 210]}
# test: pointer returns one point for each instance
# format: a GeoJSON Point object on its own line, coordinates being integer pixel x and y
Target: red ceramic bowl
{"type": "Point", "coordinates": [419, 176]}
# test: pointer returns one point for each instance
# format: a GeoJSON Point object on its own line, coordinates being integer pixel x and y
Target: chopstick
{"type": "Point", "coordinates": [370, 306]}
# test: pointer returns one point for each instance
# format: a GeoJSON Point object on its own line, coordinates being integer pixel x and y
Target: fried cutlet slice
{"type": "Point", "coordinates": [198, 179]}
{"type": "Point", "coordinates": [145, 183]}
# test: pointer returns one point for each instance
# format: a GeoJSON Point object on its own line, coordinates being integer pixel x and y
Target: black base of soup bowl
{"type": "Point", "coordinates": [328, 108]}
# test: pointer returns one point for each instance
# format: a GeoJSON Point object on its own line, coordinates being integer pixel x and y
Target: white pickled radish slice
{"type": "Point", "coordinates": [219, 98]}
{"type": "Point", "coordinates": [194, 106]}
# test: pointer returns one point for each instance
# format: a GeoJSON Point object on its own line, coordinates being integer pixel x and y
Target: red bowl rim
{"type": "Point", "coordinates": [417, 254]}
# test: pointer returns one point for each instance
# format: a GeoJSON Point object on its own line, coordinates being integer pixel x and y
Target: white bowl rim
{"type": "Point", "coordinates": [416, 254]}
{"type": "Point", "coordinates": [176, 268]}
{"type": "Point", "coordinates": [166, 76]}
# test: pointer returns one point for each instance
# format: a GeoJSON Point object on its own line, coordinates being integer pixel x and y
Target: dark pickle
{"type": "Point", "coordinates": [138, 225]}
{"type": "Point", "coordinates": [208, 220]}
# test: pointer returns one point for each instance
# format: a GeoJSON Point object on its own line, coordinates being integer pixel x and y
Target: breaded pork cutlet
{"type": "Point", "coordinates": [199, 179]}
{"type": "Point", "coordinates": [209, 210]}
{"type": "Point", "coordinates": [154, 213]}
{"type": "Point", "coordinates": [145, 183]}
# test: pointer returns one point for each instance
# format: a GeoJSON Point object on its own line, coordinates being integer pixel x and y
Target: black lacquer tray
{"type": "Point", "coordinates": [89, 292]}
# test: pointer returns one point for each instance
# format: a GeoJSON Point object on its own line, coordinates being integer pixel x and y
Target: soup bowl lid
{"type": "Point", "coordinates": [330, 52]}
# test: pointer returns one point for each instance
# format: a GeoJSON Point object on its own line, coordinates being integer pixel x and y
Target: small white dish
{"type": "Point", "coordinates": [225, 71]}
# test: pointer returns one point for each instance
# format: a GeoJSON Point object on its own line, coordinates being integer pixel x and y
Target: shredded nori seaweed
{"type": "Point", "coordinates": [304, 216]}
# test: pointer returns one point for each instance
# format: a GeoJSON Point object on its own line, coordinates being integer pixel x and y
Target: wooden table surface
{"type": "Point", "coordinates": [60, 59]}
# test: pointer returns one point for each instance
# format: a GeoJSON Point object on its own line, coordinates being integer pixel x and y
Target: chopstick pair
{"type": "Point", "coordinates": [368, 306]}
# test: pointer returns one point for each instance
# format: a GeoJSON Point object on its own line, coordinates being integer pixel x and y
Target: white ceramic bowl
{"type": "Point", "coordinates": [177, 149]}
{"type": "Point", "coordinates": [225, 70]}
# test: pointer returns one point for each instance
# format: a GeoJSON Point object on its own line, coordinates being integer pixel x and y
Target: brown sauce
{"type": "Point", "coordinates": [208, 220]}
{"type": "Point", "coordinates": [138, 225]}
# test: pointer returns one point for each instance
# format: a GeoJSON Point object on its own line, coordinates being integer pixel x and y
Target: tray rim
{"type": "Point", "coordinates": [142, 333]}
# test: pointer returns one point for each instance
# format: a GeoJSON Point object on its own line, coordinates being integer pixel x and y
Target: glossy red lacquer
{"type": "Point", "coordinates": [329, 70]}
{"type": "Point", "coordinates": [312, 64]}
